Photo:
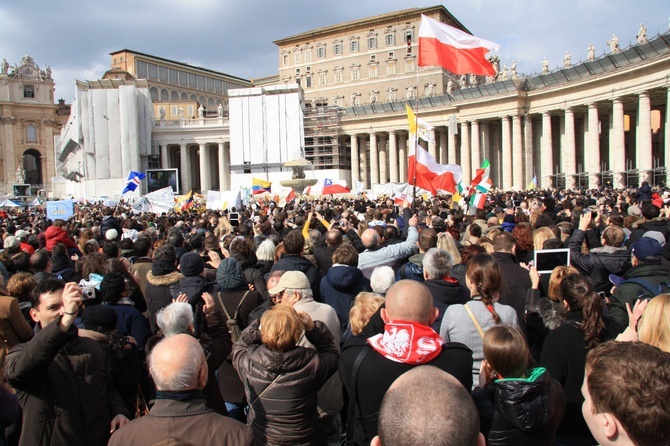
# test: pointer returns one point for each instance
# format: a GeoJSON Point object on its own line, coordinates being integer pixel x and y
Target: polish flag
{"type": "Point", "coordinates": [455, 50]}
{"type": "Point", "coordinates": [429, 174]}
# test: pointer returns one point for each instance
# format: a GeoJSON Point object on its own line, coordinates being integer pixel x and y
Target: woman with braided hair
{"type": "Point", "coordinates": [468, 323]}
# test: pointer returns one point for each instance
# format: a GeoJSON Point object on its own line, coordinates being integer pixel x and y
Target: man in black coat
{"type": "Point", "coordinates": [62, 380]}
{"type": "Point", "coordinates": [516, 278]}
{"type": "Point", "coordinates": [396, 339]}
{"type": "Point", "coordinates": [292, 260]}
{"type": "Point", "coordinates": [445, 289]}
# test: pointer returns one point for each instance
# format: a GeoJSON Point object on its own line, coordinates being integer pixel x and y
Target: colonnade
{"type": "Point", "coordinates": [202, 166]}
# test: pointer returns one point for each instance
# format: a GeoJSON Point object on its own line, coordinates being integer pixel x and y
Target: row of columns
{"type": "Point", "coordinates": [204, 160]}
{"type": "Point", "coordinates": [514, 147]}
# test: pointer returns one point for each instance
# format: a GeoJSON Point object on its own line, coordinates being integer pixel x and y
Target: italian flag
{"type": "Point", "coordinates": [478, 201]}
{"type": "Point", "coordinates": [482, 174]}
{"type": "Point", "coordinates": [455, 50]}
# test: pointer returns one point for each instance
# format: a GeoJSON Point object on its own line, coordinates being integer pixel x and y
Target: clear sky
{"type": "Point", "coordinates": [75, 37]}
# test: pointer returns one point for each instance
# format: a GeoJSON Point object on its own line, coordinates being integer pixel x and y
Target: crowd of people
{"type": "Point", "coordinates": [340, 321]}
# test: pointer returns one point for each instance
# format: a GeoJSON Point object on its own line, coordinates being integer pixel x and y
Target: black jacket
{"type": "Point", "coordinates": [659, 225]}
{"type": "Point", "coordinates": [193, 287]}
{"type": "Point", "coordinates": [516, 283]}
{"type": "Point", "coordinates": [445, 293]}
{"type": "Point", "coordinates": [65, 389]}
{"type": "Point", "coordinates": [599, 263]}
{"type": "Point", "coordinates": [340, 287]}
{"type": "Point", "coordinates": [110, 222]}
{"type": "Point", "coordinates": [377, 373]}
{"type": "Point", "coordinates": [521, 412]}
{"type": "Point", "coordinates": [294, 262]}
{"type": "Point", "coordinates": [655, 274]}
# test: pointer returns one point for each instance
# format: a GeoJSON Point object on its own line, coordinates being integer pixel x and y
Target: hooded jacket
{"type": "Point", "coordinates": [293, 262]}
{"type": "Point", "coordinates": [157, 295]}
{"type": "Point", "coordinates": [599, 263]}
{"type": "Point", "coordinates": [55, 235]}
{"type": "Point", "coordinates": [412, 269]}
{"type": "Point", "coordinates": [340, 287]}
{"type": "Point", "coordinates": [521, 411]}
{"type": "Point", "coordinates": [653, 273]}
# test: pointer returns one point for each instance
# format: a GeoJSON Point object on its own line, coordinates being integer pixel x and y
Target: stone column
{"type": "Point", "coordinates": [569, 151]}
{"type": "Point", "coordinates": [592, 152]}
{"type": "Point", "coordinates": [451, 147]}
{"type": "Point", "coordinates": [643, 159]}
{"type": "Point", "coordinates": [465, 153]}
{"type": "Point", "coordinates": [666, 131]}
{"type": "Point", "coordinates": [184, 168]}
{"type": "Point", "coordinates": [402, 158]}
{"type": "Point", "coordinates": [432, 147]}
{"type": "Point", "coordinates": [165, 160]}
{"type": "Point", "coordinates": [355, 162]}
{"type": "Point", "coordinates": [363, 155]}
{"type": "Point", "coordinates": [374, 160]}
{"type": "Point", "coordinates": [393, 157]}
{"type": "Point", "coordinates": [383, 160]}
{"type": "Point", "coordinates": [506, 153]}
{"type": "Point", "coordinates": [205, 176]}
{"type": "Point", "coordinates": [528, 148]}
{"type": "Point", "coordinates": [475, 152]}
{"type": "Point", "coordinates": [444, 144]}
{"type": "Point", "coordinates": [517, 153]}
{"type": "Point", "coordinates": [547, 155]}
{"type": "Point", "coordinates": [224, 166]}
{"type": "Point", "coordinates": [617, 150]}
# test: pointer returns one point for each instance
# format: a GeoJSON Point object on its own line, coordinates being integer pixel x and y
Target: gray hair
{"type": "Point", "coordinates": [305, 293]}
{"type": "Point", "coordinates": [175, 318]}
{"type": "Point", "coordinates": [381, 279]}
{"type": "Point", "coordinates": [437, 263]}
{"type": "Point", "coordinates": [266, 251]}
{"type": "Point", "coordinates": [185, 376]}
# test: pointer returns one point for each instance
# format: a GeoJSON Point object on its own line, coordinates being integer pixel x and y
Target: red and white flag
{"type": "Point", "coordinates": [453, 49]}
{"type": "Point", "coordinates": [429, 174]}
{"type": "Point", "coordinates": [331, 187]}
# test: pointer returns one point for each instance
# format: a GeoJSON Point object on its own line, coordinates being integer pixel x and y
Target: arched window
{"type": "Point", "coordinates": [174, 96]}
{"type": "Point", "coordinates": [164, 95]}
{"type": "Point", "coordinates": [31, 133]}
{"type": "Point", "coordinates": [154, 94]}
{"type": "Point", "coordinates": [184, 97]}
{"type": "Point", "coordinates": [32, 164]}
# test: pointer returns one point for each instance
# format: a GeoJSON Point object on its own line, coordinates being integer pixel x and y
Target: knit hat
{"type": "Point", "coordinates": [656, 235]}
{"type": "Point", "coordinates": [12, 242]}
{"type": "Point", "coordinates": [111, 234]}
{"type": "Point", "coordinates": [191, 264]}
{"type": "Point", "coordinates": [100, 318]}
{"type": "Point", "coordinates": [229, 275]}
{"type": "Point", "coordinates": [634, 210]}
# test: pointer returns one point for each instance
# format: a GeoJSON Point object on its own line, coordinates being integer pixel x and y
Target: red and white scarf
{"type": "Point", "coordinates": [407, 342]}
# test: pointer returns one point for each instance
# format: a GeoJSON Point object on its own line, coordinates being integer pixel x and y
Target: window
{"type": "Point", "coordinates": [164, 95]}
{"type": "Point", "coordinates": [337, 49]}
{"type": "Point", "coordinates": [297, 71]}
{"type": "Point", "coordinates": [184, 97]}
{"type": "Point", "coordinates": [353, 46]}
{"type": "Point", "coordinates": [114, 61]}
{"type": "Point", "coordinates": [308, 54]}
{"type": "Point", "coordinates": [163, 74]}
{"type": "Point", "coordinates": [321, 52]}
{"type": "Point", "coordinates": [174, 111]}
{"type": "Point", "coordinates": [153, 71]}
{"type": "Point", "coordinates": [322, 78]}
{"type": "Point", "coordinates": [390, 54]}
{"type": "Point", "coordinates": [409, 64]}
{"type": "Point", "coordinates": [372, 71]}
{"type": "Point", "coordinates": [174, 96]}
{"type": "Point", "coordinates": [183, 78]}
{"type": "Point", "coordinates": [308, 69]}
{"type": "Point", "coordinates": [192, 81]}
{"type": "Point", "coordinates": [373, 57]}
{"type": "Point", "coordinates": [338, 76]}
{"type": "Point", "coordinates": [285, 59]}
{"type": "Point", "coordinates": [390, 39]}
{"type": "Point", "coordinates": [308, 81]}
{"type": "Point", "coordinates": [390, 68]}
{"type": "Point", "coordinates": [141, 69]}
{"type": "Point", "coordinates": [31, 133]}
{"type": "Point", "coordinates": [372, 42]}
{"type": "Point", "coordinates": [29, 91]}
{"type": "Point", "coordinates": [296, 55]}
{"type": "Point", "coordinates": [355, 73]}
{"type": "Point", "coordinates": [174, 76]}
{"type": "Point", "coordinates": [154, 93]}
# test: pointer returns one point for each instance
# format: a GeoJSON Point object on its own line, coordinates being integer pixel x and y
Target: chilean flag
{"type": "Point", "coordinates": [429, 174]}
{"type": "Point", "coordinates": [455, 50]}
{"type": "Point", "coordinates": [330, 187]}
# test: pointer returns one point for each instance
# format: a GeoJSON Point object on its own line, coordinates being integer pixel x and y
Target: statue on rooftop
{"type": "Point", "coordinates": [512, 70]}
{"type": "Point", "coordinates": [545, 66]}
{"type": "Point", "coordinates": [463, 81]}
{"type": "Point", "coordinates": [390, 94]}
{"type": "Point", "coordinates": [219, 110]}
{"type": "Point", "coordinates": [613, 43]}
{"type": "Point", "coordinates": [450, 86]}
{"type": "Point", "coordinates": [4, 66]}
{"type": "Point", "coordinates": [430, 89]}
{"type": "Point", "coordinates": [373, 96]}
{"type": "Point", "coordinates": [591, 56]}
{"type": "Point", "coordinates": [201, 112]}
{"type": "Point", "coordinates": [642, 34]}
{"type": "Point", "coordinates": [503, 76]}
{"type": "Point", "coordinates": [567, 60]}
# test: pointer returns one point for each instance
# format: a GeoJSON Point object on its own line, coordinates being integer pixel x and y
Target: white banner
{"type": "Point", "coordinates": [161, 200]}
{"type": "Point", "coordinates": [220, 200]}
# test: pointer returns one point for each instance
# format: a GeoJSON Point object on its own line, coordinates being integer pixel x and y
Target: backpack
{"type": "Point", "coordinates": [233, 326]}
{"type": "Point", "coordinates": [651, 289]}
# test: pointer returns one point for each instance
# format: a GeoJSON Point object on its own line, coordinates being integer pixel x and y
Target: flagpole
{"type": "Point", "coordinates": [416, 138]}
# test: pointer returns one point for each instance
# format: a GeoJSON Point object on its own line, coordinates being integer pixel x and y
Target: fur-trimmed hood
{"type": "Point", "coordinates": [165, 280]}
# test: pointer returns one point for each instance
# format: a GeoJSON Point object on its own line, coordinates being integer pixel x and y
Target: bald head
{"type": "Point", "coordinates": [407, 413]}
{"type": "Point", "coordinates": [333, 238]}
{"type": "Point", "coordinates": [178, 363]}
{"type": "Point", "coordinates": [409, 300]}
{"type": "Point", "coordinates": [370, 238]}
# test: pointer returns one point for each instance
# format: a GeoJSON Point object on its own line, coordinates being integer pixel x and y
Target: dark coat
{"type": "Point", "coordinates": [110, 222]}
{"type": "Point", "coordinates": [287, 411]}
{"type": "Point", "coordinates": [158, 293]}
{"type": "Point", "coordinates": [412, 269]}
{"type": "Point", "coordinates": [65, 390]}
{"type": "Point", "coordinates": [653, 273]}
{"type": "Point", "coordinates": [652, 225]}
{"type": "Point", "coordinates": [191, 421]}
{"type": "Point", "coordinates": [599, 263]}
{"type": "Point", "coordinates": [132, 323]}
{"type": "Point", "coordinates": [521, 412]}
{"type": "Point", "coordinates": [193, 287]}
{"type": "Point", "coordinates": [445, 293]}
{"type": "Point", "coordinates": [324, 257]}
{"type": "Point", "coordinates": [293, 262]}
{"type": "Point", "coordinates": [516, 283]}
{"type": "Point", "coordinates": [377, 373]}
{"type": "Point", "coordinates": [340, 287]}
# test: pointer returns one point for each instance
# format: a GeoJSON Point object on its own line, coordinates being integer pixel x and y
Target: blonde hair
{"type": "Point", "coordinates": [555, 279]}
{"type": "Point", "coordinates": [540, 235]}
{"type": "Point", "coordinates": [365, 305]}
{"type": "Point", "coordinates": [654, 326]}
{"type": "Point", "coordinates": [280, 328]}
{"type": "Point", "coordinates": [446, 241]}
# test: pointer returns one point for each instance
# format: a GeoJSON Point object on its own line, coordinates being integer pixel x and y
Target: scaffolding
{"type": "Point", "coordinates": [325, 146]}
